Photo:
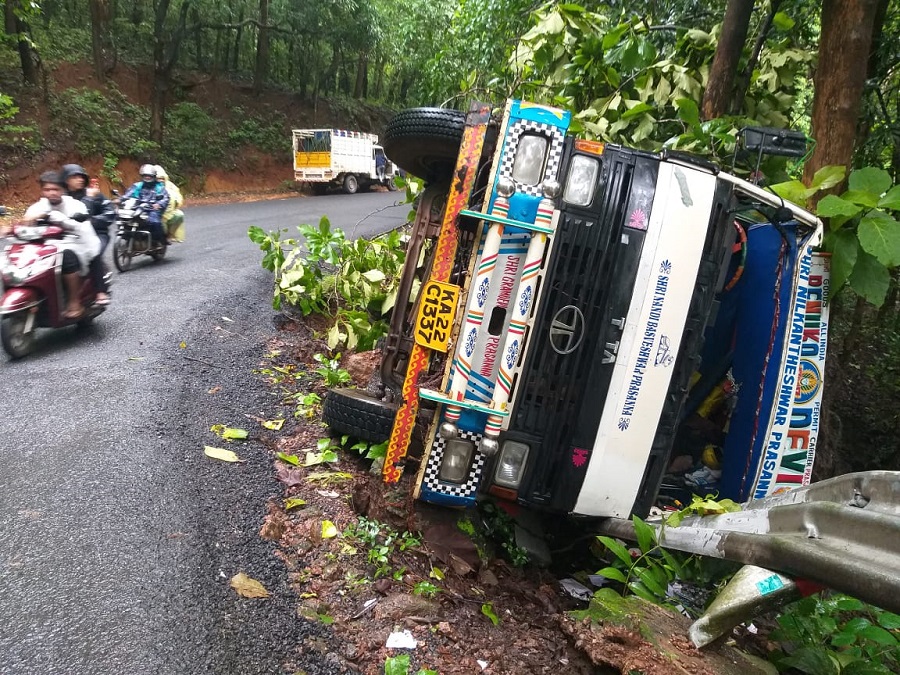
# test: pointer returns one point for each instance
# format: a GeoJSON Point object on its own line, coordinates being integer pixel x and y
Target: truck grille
{"type": "Point", "coordinates": [591, 271]}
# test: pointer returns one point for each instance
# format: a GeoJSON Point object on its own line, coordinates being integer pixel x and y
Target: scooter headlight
{"type": "Point", "coordinates": [457, 460]}
{"type": "Point", "coordinates": [511, 464]}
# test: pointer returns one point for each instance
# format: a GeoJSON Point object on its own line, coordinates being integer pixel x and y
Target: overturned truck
{"type": "Point", "coordinates": [589, 329]}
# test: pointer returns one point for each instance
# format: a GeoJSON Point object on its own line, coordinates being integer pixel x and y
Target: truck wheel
{"type": "Point", "coordinates": [425, 141]}
{"type": "Point", "coordinates": [355, 413]}
{"type": "Point", "coordinates": [351, 185]}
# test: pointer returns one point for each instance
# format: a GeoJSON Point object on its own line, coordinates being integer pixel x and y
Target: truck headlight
{"type": "Point", "coordinates": [457, 460]}
{"type": "Point", "coordinates": [511, 464]}
{"type": "Point", "coordinates": [582, 180]}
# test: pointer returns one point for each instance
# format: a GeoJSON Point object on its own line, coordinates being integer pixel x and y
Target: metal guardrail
{"type": "Point", "coordinates": [843, 533]}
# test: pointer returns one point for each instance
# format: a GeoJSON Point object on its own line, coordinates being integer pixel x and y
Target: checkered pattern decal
{"type": "Point", "coordinates": [434, 484]}
{"type": "Point", "coordinates": [516, 129]}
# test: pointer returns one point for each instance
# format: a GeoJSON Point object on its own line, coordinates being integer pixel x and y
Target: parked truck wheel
{"type": "Point", "coordinates": [355, 413]}
{"type": "Point", "coordinates": [425, 141]}
{"type": "Point", "coordinates": [351, 185]}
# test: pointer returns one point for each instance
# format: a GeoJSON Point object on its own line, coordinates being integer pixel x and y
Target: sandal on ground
{"type": "Point", "coordinates": [101, 299]}
{"type": "Point", "coordinates": [73, 314]}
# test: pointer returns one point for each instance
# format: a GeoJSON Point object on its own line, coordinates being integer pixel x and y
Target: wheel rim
{"type": "Point", "coordinates": [350, 184]}
{"type": "Point", "coordinates": [122, 256]}
{"type": "Point", "coordinates": [16, 341]}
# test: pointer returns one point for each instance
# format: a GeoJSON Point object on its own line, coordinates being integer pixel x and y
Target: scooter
{"type": "Point", "coordinates": [133, 236]}
{"type": "Point", "coordinates": [33, 295]}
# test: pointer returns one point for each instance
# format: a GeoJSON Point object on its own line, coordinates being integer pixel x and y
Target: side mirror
{"type": "Point", "coordinates": [2, 210]}
{"type": "Point", "coordinates": [115, 193]}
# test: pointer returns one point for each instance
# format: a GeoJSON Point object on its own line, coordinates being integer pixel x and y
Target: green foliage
{"type": "Point", "coordinates": [628, 83]}
{"type": "Point", "coordinates": [330, 370]}
{"type": "Point", "coordinates": [501, 527]}
{"type": "Point", "coordinates": [488, 610]}
{"type": "Point", "coordinates": [426, 589]}
{"type": "Point", "coordinates": [863, 234]}
{"type": "Point", "coordinates": [16, 140]}
{"type": "Point", "coordinates": [702, 506]}
{"type": "Point", "coordinates": [371, 450]}
{"type": "Point", "coordinates": [399, 665]}
{"type": "Point", "coordinates": [382, 541]}
{"type": "Point", "coordinates": [351, 281]}
{"type": "Point", "coordinates": [103, 124]}
{"type": "Point", "coordinates": [267, 135]}
{"type": "Point", "coordinates": [193, 139]}
{"type": "Point", "coordinates": [649, 571]}
{"type": "Point", "coordinates": [836, 635]}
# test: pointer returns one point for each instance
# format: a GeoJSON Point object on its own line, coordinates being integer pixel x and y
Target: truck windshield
{"type": "Point", "coordinates": [531, 154]}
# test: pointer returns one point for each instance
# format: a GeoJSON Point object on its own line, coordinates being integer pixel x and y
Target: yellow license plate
{"type": "Point", "coordinates": [435, 317]}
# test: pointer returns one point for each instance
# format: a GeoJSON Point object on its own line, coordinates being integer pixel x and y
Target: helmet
{"type": "Point", "coordinates": [70, 170]}
{"type": "Point", "coordinates": [161, 173]}
{"type": "Point", "coordinates": [148, 170]}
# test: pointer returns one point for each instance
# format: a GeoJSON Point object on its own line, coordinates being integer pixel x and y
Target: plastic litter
{"type": "Point", "coordinates": [401, 640]}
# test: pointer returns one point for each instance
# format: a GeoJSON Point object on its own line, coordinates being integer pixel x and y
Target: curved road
{"type": "Point", "coordinates": [117, 536]}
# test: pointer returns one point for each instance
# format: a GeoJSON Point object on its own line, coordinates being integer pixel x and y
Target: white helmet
{"type": "Point", "coordinates": [148, 170]}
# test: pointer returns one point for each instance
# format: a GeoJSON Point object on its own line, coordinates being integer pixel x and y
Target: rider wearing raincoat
{"type": "Point", "coordinates": [173, 218]}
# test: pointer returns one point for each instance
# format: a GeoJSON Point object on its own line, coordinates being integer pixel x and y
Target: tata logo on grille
{"type": "Point", "coordinates": [567, 330]}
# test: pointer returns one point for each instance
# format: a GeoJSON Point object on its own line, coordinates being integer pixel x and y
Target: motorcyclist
{"type": "Point", "coordinates": [80, 243]}
{"type": "Point", "coordinates": [152, 194]}
{"type": "Point", "coordinates": [173, 218]}
{"type": "Point", "coordinates": [103, 214]}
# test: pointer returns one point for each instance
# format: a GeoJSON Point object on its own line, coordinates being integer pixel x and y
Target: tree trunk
{"type": "Point", "coordinates": [262, 47]}
{"type": "Point", "coordinates": [359, 89]}
{"type": "Point", "coordinates": [743, 84]}
{"type": "Point", "coordinates": [99, 36]}
{"type": "Point", "coordinates": [198, 40]}
{"type": "Point", "coordinates": [160, 84]}
{"type": "Point", "coordinates": [847, 27]}
{"type": "Point", "coordinates": [17, 27]}
{"type": "Point", "coordinates": [237, 42]}
{"type": "Point", "coordinates": [719, 89]}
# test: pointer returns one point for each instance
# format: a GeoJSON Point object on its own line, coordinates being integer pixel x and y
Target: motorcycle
{"type": "Point", "coordinates": [33, 295]}
{"type": "Point", "coordinates": [133, 236]}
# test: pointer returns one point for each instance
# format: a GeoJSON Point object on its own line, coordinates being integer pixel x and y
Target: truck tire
{"type": "Point", "coordinates": [359, 415]}
{"type": "Point", "coordinates": [425, 141]}
{"type": "Point", "coordinates": [351, 184]}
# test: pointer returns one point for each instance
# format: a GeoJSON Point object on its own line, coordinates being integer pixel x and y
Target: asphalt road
{"type": "Point", "coordinates": [117, 536]}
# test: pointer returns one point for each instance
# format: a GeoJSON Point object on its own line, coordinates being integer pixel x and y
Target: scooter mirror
{"type": "Point", "coordinates": [2, 210]}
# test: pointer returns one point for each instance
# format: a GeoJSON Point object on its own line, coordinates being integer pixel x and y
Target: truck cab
{"type": "Point", "coordinates": [620, 308]}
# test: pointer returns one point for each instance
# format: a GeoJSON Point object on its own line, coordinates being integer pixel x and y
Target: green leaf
{"type": "Point", "coordinates": [397, 665]}
{"type": "Point", "coordinates": [879, 235]}
{"type": "Point", "coordinates": [220, 454]}
{"type": "Point", "coordinates": [828, 177]}
{"type": "Point", "coordinates": [879, 635]}
{"type": "Point", "coordinates": [889, 620]}
{"type": "Point", "coordinates": [616, 549]}
{"type": "Point", "coordinates": [844, 638]}
{"type": "Point", "coordinates": [891, 200]}
{"type": "Point", "coordinates": [871, 180]}
{"type": "Point", "coordinates": [375, 276]}
{"type": "Point", "coordinates": [645, 535]}
{"type": "Point", "coordinates": [847, 604]}
{"type": "Point", "coordinates": [650, 582]}
{"type": "Point", "coordinates": [793, 191]}
{"type": "Point", "coordinates": [870, 279]}
{"type": "Point", "coordinates": [488, 610]}
{"type": "Point", "coordinates": [861, 666]}
{"type": "Point", "coordinates": [782, 21]}
{"type": "Point", "coordinates": [811, 660]}
{"type": "Point", "coordinates": [639, 109]}
{"type": "Point", "coordinates": [673, 562]}
{"type": "Point", "coordinates": [844, 247]}
{"type": "Point", "coordinates": [861, 197]}
{"type": "Point", "coordinates": [832, 205]}
{"type": "Point", "coordinates": [688, 111]}
{"type": "Point", "coordinates": [612, 573]}
{"type": "Point", "coordinates": [293, 503]}
{"type": "Point", "coordinates": [290, 459]}
{"type": "Point", "coordinates": [638, 588]}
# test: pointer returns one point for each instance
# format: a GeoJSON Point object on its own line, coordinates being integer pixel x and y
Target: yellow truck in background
{"type": "Point", "coordinates": [349, 160]}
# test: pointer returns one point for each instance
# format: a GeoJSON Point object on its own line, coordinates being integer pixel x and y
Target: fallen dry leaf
{"type": "Point", "coordinates": [274, 425]}
{"type": "Point", "coordinates": [221, 454]}
{"type": "Point", "coordinates": [288, 476]}
{"type": "Point", "coordinates": [247, 587]}
{"type": "Point", "coordinates": [215, 390]}
{"type": "Point", "coordinates": [329, 530]}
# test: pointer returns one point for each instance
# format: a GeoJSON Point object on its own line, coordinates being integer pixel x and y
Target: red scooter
{"type": "Point", "coordinates": [32, 292]}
